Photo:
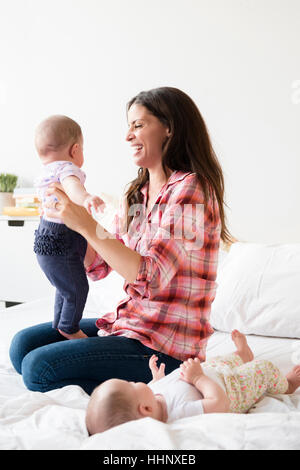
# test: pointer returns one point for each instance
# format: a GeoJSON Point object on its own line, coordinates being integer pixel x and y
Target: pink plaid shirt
{"type": "Point", "coordinates": [167, 308]}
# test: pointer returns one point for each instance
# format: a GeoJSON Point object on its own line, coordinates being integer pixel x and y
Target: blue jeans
{"type": "Point", "coordinates": [48, 361]}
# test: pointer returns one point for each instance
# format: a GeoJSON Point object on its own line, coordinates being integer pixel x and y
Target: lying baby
{"type": "Point", "coordinates": [224, 384]}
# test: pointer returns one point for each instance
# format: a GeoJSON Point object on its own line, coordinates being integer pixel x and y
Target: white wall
{"type": "Point", "coordinates": [238, 59]}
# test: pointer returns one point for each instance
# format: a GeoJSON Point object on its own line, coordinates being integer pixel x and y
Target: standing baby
{"type": "Point", "coordinates": [60, 251]}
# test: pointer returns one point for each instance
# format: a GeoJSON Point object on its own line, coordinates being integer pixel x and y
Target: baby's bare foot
{"type": "Point", "coordinates": [293, 378]}
{"type": "Point", "coordinates": [243, 349]}
{"type": "Point", "coordinates": [79, 334]}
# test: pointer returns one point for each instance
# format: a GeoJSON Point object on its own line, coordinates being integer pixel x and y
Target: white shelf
{"type": "Point", "coordinates": [29, 218]}
{"type": "Point", "coordinates": [21, 278]}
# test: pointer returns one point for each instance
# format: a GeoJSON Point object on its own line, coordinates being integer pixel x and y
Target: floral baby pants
{"type": "Point", "coordinates": [247, 383]}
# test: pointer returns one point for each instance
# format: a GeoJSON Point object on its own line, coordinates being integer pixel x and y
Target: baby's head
{"type": "Point", "coordinates": [117, 401]}
{"type": "Point", "coordinates": [59, 138]}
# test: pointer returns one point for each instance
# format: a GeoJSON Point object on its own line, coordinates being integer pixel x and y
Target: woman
{"type": "Point", "coordinates": [167, 254]}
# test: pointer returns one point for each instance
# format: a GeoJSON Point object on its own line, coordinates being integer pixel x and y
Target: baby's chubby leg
{"type": "Point", "coordinates": [215, 399]}
{"type": "Point", "coordinates": [242, 355]}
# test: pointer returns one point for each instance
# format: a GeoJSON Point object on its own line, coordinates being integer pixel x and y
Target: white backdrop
{"type": "Point", "coordinates": [238, 59]}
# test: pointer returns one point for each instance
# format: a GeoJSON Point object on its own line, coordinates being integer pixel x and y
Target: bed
{"type": "Point", "coordinates": [258, 293]}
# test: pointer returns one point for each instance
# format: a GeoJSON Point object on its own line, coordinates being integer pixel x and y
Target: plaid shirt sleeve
{"type": "Point", "coordinates": [99, 269]}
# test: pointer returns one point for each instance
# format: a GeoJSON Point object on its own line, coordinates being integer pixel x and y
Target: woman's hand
{"type": "Point", "coordinates": [75, 217]}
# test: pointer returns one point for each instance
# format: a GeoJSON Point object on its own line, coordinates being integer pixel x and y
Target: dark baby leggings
{"type": "Point", "coordinates": [60, 253]}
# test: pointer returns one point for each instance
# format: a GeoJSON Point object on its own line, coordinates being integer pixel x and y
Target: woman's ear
{"type": "Point", "coordinates": [168, 135]}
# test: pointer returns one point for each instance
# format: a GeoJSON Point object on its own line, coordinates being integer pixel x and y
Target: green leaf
{"type": "Point", "coordinates": [8, 182]}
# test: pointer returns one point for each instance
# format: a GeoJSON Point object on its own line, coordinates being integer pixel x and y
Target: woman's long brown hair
{"type": "Point", "coordinates": [188, 148]}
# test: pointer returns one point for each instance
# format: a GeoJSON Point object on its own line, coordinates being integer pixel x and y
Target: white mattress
{"type": "Point", "coordinates": [55, 420]}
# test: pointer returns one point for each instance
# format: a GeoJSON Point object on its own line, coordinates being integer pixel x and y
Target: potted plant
{"type": "Point", "coordinates": [7, 185]}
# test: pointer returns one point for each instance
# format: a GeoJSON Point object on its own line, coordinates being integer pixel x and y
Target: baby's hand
{"type": "Point", "coordinates": [93, 201]}
{"type": "Point", "coordinates": [157, 373]}
{"type": "Point", "coordinates": [191, 370]}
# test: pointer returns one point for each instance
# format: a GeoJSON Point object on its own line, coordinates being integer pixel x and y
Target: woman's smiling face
{"type": "Point", "coordinates": [146, 135]}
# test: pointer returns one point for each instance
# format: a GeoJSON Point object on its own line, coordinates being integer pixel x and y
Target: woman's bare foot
{"type": "Point", "coordinates": [79, 334]}
{"type": "Point", "coordinates": [242, 347]}
{"type": "Point", "coordinates": [293, 378]}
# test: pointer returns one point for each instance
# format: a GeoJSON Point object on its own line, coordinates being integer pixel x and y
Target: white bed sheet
{"type": "Point", "coordinates": [55, 420]}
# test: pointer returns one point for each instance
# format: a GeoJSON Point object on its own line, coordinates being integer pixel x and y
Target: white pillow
{"type": "Point", "coordinates": [259, 290]}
